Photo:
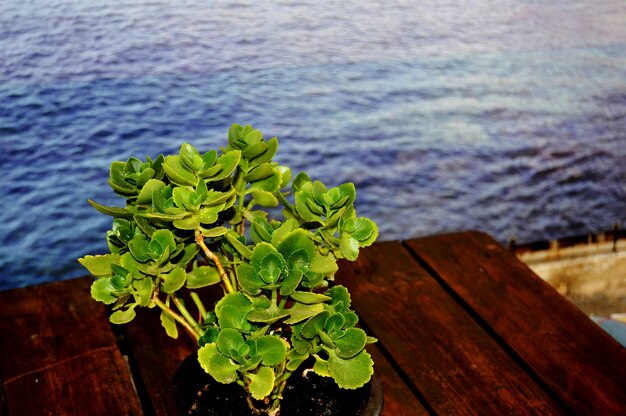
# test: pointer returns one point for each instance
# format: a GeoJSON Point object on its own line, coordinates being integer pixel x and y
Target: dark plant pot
{"type": "Point", "coordinates": [194, 392]}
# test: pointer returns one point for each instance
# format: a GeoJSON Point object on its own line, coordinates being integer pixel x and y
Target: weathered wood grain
{"type": "Point", "coordinates": [59, 356]}
{"type": "Point", "coordinates": [399, 399]}
{"type": "Point", "coordinates": [451, 361]}
{"type": "Point", "coordinates": [155, 357]}
{"type": "Point", "coordinates": [571, 354]}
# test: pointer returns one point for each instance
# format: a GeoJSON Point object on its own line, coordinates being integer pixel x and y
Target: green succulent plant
{"type": "Point", "coordinates": [194, 220]}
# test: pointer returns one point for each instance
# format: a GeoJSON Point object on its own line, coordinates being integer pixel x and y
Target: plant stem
{"type": "Point", "coordinates": [233, 279]}
{"type": "Point", "coordinates": [190, 330]}
{"type": "Point", "coordinates": [242, 226]}
{"type": "Point", "coordinates": [216, 260]}
{"type": "Point", "coordinates": [183, 310]}
{"type": "Point", "coordinates": [199, 305]}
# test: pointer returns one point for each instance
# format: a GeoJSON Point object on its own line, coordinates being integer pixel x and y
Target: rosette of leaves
{"type": "Point", "coordinates": [128, 178]}
{"type": "Point", "coordinates": [237, 349]}
{"type": "Point", "coordinates": [259, 177]}
{"type": "Point", "coordinates": [284, 262]}
{"type": "Point", "coordinates": [332, 213]}
{"type": "Point", "coordinates": [331, 337]}
{"type": "Point", "coordinates": [192, 220]}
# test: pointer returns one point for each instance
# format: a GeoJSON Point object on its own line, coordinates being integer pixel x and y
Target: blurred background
{"type": "Point", "coordinates": [503, 116]}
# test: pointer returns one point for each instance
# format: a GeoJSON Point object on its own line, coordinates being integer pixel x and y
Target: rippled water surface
{"type": "Point", "coordinates": [505, 116]}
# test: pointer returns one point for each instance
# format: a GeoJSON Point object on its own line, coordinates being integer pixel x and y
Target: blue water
{"type": "Point", "coordinates": [505, 116]}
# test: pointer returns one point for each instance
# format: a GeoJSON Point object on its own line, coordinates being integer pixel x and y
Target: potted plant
{"type": "Point", "coordinates": [194, 220]}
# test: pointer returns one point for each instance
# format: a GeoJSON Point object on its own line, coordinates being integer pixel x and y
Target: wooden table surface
{"type": "Point", "coordinates": [464, 328]}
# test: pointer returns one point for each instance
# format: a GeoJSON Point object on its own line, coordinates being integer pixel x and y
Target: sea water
{"type": "Point", "coordinates": [505, 116]}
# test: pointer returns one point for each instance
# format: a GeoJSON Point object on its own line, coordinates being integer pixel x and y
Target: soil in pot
{"type": "Point", "coordinates": [195, 393]}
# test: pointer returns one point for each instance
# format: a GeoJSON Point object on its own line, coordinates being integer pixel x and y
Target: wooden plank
{"type": "Point", "coordinates": [571, 354]}
{"type": "Point", "coordinates": [451, 361]}
{"type": "Point", "coordinates": [59, 355]}
{"type": "Point", "coordinates": [399, 399]}
{"type": "Point", "coordinates": [155, 357]}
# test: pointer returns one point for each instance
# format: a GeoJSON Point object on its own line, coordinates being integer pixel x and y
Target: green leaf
{"type": "Point", "coordinates": [309, 297]}
{"type": "Point", "coordinates": [272, 147]}
{"type": "Point", "coordinates": [351, 373]}
{"type": "Point", "coordinates": [229, 341]}
{"type": "Point", "coordinates": [270, 267]}
{"type": "Point", "coordinates": [214, 231]}
{"type": "Point", "coordinates": [209, 158]}
{"type": "Point", "coordinates": [169, 324]}
{"type": "Point", "coordinates": [181, 197]}
{"type": "Point", "coordinates": [319, 189]}
{"type": "Point", "coordinates": [269, 184]}
{"type": "Point", "coordinates": [261, 383]}
{"type": "Point", "coordinates": [264, 198]}
{"type": "Point", "coordinates": [302, 345]}
{"type": "Point", "coordinates": [253, 137]}
{"type": "Point", "coordinates": [229, 162]}
{"type": "Point", "coordinates": [152, 186]}
{"type": "Point", "coordinates": [299, 312]}
{"type": "Point", "coordinates": [232, 311]}
{"type": "Point", "coordinates": [178, 173]}
{"type": "Point", "coordinates": [283, 231]}
{"type": "Point", "coordinates": [123, 316]}
{"type": "Point", "coordinates": [315, 325]}
{"type": "Point", "coordinates": [140, 248]}
{"type": "Point", "coordinates": [326, 265]}
{"type": "Point", "coordinates": [99, 265]}
{"type": "Point", "coordinates": [363, 228]}
{"type": "Point", "coordinates": [321, 367]}
{"type": "Point", "coordinates": [122, 188]}
{"type": "Point", "coordinates": [144, 288]}
{"type": "Point", "coordinates": [268, 315]}
{"type": "Point", "coordinates": [349, 247]}
{"type": "Point", "coordinates": [233, 132]}
{"type": "Point", "coordinates": [294, 359]}
{"type": "Point", "coordinates": [254, 150]}
{"type": "Point", "coordinates": [165, 238]}
{"type": "Point", "coordinates": [340, 295]}
{"type": "Point", "coordinates": [215, 197]}
{"type": "Point", "coordinates": [272, 349]}
{"type": "Point", "coordinates": [163, 216]}
{"type": "Point", "coordinates": [188, 223]}
{"type": "Point", "coordinates": [114, 212]}
{"type": "Point", "coordinates": [351, 319]}
{"type": "Point", "coordinates": [341, 195]}
{"type": "Point", "coordinates": [351, 343]}
{"type": "Point", "coordinates": [298, 241]}
{"type": "Point", "coordinates": [233, 239]}
{"type": "Point", "coordinates": [202, 276]}
{"type": "Point", "coordinates": [174, 280]}
{"type": "Point", "coordinates": [248, 279]}
{"type": "Point", "coordinates": [209, 215]}
{"type": "Point", "coordinates": [303, 209]}
{"type": "Point", "coordinates": [190, 157]}
{"type": "Point", "coordinates": [285, 175]}
{"type": "Point", "coordinates": [102, 291]}
{"type": "Point", "coordinates": [144, 225]}
{"type": "Point", "coordinates": [260, 172]}
{"type": "Point", "coordinates": [261, 230]}
{"type": "Point", "coordinates": [300, 179]}
{"type": "Point", "coordinates": [217, 365]}
{"type": "Point", "coordinates": [209, 336]}
{"type": "Point", "coordinates": [291, 282]}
